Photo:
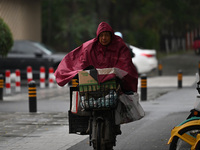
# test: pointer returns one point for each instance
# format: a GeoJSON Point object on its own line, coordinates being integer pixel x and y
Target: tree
{"type": "Point", "coordinates": [6, 41]}
{"type": "Point", "coordinates": [67, 24]}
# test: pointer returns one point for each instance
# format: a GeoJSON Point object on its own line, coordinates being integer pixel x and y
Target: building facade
{"type": "Point", "coordinates": [23, 18]}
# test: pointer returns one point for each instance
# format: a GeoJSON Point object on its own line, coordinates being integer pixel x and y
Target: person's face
{"type": "Point", "coordinates": [105, 38]}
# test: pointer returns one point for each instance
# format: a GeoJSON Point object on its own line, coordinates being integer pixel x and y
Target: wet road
{"type": "Point", "coordinates": [166, 107]}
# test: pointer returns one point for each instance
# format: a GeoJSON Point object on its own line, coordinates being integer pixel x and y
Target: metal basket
{"type": "Point", "coordinates": [103, 96]}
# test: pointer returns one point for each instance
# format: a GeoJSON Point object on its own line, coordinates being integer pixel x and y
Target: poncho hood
{"type": "Point", "coordinates": [92, 53]}
{"type": "Point", "coordinates": [103, 26]}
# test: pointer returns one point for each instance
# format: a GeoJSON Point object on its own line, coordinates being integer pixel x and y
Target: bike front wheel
{"type": "Point", "coordinates": [99, 136]}
{"type": "Point", "coordinates": [100, 143]}
{"type": "Point", "coordinates": [179, 144]}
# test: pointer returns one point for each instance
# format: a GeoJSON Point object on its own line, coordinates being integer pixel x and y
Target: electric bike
{"type": "Point", "coordinates": [95, 113]}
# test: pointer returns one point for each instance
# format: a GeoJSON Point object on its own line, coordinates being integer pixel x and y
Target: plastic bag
{"type": "Point", "coordinates": [76, 105]}
{"type": "Point", "coordinates": [128, 109]}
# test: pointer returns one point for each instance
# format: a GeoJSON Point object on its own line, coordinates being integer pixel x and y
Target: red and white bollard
{"type": "Point", "coordinates": [17, 81]}
{"type": "Point", "coordinates": [29, 74]}
{"type": "Point", "coordinates": [42, 77]}
{"type": "Point", "coordinates": [51, 77]}
{"type": "Point", "coordinates": [8, 82]}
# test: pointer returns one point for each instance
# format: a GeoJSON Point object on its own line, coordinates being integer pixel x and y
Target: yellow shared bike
{"type": "Point", "coordinates": [186, 136]}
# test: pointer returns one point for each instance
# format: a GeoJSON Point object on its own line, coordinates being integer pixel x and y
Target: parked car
{"type": "Point", "coordinates": [28, 53]}
{"type": "Point", "coordinates": [144, 60]}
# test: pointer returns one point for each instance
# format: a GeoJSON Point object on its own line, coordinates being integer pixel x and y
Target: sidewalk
{"type": "Point", "coordinates": [42, 130]}
{"type": "Point", "coordinates": [169, 81]}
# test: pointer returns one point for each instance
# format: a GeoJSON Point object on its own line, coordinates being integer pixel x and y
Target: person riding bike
{"type": "Point", "coordinates": [106, 50]}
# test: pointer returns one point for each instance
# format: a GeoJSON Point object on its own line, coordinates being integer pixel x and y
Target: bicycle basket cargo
{"type": "Point", "coordinates": [97, 96]}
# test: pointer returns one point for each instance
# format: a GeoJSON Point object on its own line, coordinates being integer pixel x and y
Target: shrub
{"type": "Point", "coordinates": [6, 38]}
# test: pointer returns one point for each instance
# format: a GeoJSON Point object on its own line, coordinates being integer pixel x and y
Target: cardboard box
{"type": "Point", "coordinates": [88, 83]}
{"type": "Point", "coordinates": [86, 79]}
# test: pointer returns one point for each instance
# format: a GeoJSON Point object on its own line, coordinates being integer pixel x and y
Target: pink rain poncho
{"type": "Point", "coordinates": [92, 53]}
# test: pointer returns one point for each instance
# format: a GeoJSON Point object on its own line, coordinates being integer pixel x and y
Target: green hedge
{"type": "Point", "coordinates": [6, 38]}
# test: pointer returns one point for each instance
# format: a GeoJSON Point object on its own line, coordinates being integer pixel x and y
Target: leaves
{"type": "Point", "coordinates": [6, 41]}
{"type": "Point", "coordinates": [69, 23]}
